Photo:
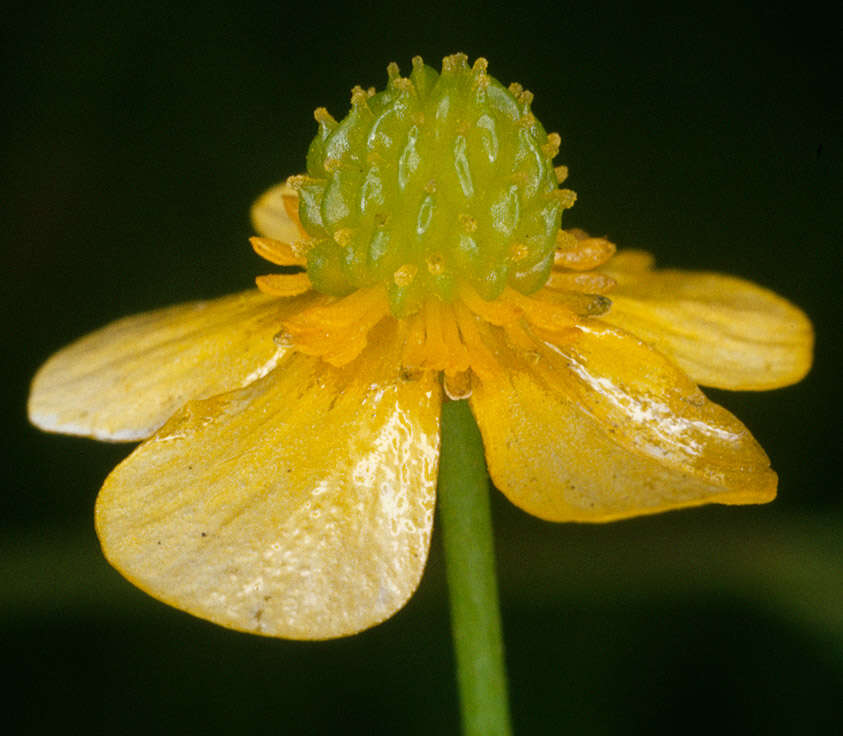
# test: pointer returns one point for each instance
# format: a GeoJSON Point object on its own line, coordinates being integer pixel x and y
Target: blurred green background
{"type": "Point", "coordinates": [135, 136]}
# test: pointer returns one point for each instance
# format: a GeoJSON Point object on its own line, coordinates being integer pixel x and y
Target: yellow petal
{"type": "Point", "coordinates": [125, 380]}
{"type": "Point", "coordinates": [605, 427]}
{"type": "Point", "coordinates": [722, 331]}
{"type": "Point", "coordinates": [300, 506]}
{"type": "Point", "coordinates": [274, 214]}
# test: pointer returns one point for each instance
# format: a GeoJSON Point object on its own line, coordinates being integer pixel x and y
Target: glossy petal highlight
{"type": "Point", "coordinates": [604, 428]}
{"type": "Point", "coordinates": [125, 380]}
{"type": "Point", "coordinates": [300, 506]}
{"type": "Point", "coordinates": [721, 330]}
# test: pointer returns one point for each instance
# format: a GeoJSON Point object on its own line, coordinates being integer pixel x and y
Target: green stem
{"type": "Point", "coordinates": [466, 521]}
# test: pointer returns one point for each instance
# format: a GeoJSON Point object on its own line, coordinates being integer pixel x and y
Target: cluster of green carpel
{"type": "Point", "coordinates": [438, 180]}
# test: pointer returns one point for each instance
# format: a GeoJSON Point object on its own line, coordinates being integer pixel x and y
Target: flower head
{"type": "Point", "coordinates": [287, 485]}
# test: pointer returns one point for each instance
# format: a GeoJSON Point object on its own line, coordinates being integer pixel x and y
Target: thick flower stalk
{"type": "Point", "coordinates": [288, 478]}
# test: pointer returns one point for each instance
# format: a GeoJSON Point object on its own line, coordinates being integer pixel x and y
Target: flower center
{"type": "Point", "coordinates": [435, 203]}
{"type": "Point", "coordinates": [438, 181]}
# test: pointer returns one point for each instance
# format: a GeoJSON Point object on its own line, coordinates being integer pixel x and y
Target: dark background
{"type": "Point", "coordinates": [135, 136]}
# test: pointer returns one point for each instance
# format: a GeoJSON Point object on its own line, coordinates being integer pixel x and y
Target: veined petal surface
{"type": "Point", "coordinates": [125, 380]}
{"type": "Point", "coordinates": [275, 214]}
{"type": "Point", "coordinates": [300, 506]}
{"type": "Point", "coordinates": [721, 330]}
{"type": "Point", "coordinates": [605, 427]}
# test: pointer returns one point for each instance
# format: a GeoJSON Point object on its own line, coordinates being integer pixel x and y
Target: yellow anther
{"type": "Point", "coordinates": [404, 276]}
{"type": "Point", "coordinates": [516, 89]}
{"type": "Point", "coordinates": [284, 284]}
{"type": "Point", "coordinates": [277, 252]}
{"type": "Point", "coordinates": [561, 173]}
{"type": "Point", "coordinates": [392, 70]}
{"type": "Point", "coordinates": [587, 282]}
{"type": "Point", "coordinates": [581, 254]}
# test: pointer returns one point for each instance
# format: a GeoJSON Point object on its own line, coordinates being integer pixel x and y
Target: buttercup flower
{"type": "Point", "coordinates": [287, 482]}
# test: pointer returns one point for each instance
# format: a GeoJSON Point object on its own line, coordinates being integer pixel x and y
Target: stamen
{"type": "Point", "coordinates": [570, 302]}
{"type": "Point", "coordinates": [497, 312]}
{"type": "Point", "coordinates": [433, 340]}
{"type": "Point", "coordinates": [284, 284]}
{"type": "Point", "coordinates": [551, 315]}
{"type": "Point", "coordinates": [337, 331]}
{"type": "Point", "coordinates": [457, 353]}
{"type": "Point", "coordinates": [581, 254]}
{"type": "Point", "coordinates": [481, 359]}
{"type": "Point", "coordinates": [274, 251]}
{"type": "Point", "coordinates": [434, 344]}
{"type": "Point", "coordinates": [589, 282]}
{"type": "Point", "coordinates": [518, 338]}
{"type": "Point", "coordinates": [341, 312]}
{"type": "Point", "coordinates": [413, 354]}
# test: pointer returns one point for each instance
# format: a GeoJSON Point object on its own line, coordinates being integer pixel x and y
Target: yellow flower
{"type": "Point", "coordinates": [287, 482]}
